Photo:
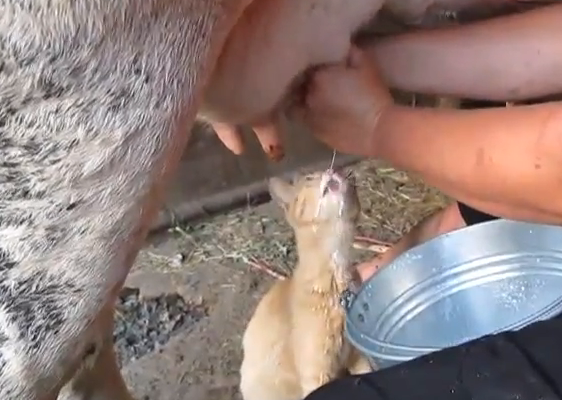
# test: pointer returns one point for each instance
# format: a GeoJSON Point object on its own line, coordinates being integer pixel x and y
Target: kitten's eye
{"type": "Point", "coordinates": [308, 178]}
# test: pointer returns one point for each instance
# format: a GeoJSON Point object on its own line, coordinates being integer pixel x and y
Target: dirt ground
{"type": "Point", "coordinates": [223, 264]}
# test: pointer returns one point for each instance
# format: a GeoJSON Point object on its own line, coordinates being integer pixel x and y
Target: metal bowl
{"type": "Point", "coordinates": [483, 279]}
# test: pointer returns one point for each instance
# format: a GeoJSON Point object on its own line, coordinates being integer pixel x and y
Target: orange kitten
{"type": "Point", "coordinates": [295, 341]}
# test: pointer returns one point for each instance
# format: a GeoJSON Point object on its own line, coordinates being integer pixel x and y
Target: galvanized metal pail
{"type": "Point", "coordinates": [486, 278]}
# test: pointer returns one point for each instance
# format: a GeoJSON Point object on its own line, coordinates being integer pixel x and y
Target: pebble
{"type": "Point", "coordinates": [145, 325]}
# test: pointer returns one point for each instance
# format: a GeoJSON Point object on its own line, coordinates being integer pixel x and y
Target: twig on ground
{"type": "Point", "coordinates": [366, 239]}
{"type": "Point", "coordinates": [264, 268]}
{"type": "Point", "coordinates": [375, 248]}
{"type": "Point", "coordinates": [370, 244]}
{"type": "Point", "coordinates": [252, 262]}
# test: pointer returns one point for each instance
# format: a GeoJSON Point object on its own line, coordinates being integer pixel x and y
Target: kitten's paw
{"type": "Point", "coordinates": [311, 384]}
{"type": "Point", "coordinates": [360, 366]}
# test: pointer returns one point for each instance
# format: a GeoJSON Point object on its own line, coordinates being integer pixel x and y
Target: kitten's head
{"type": "Point", "coordinates": [325, 200]}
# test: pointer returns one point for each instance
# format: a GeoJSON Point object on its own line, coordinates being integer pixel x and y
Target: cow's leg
{"type": "Point", "coordinates": [99, 377]}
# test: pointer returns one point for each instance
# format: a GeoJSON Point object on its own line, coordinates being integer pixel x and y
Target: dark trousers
{"type": "Point", "coordinates": [472, 216]}
{"type": "Point", "coordinates": [522, 365]}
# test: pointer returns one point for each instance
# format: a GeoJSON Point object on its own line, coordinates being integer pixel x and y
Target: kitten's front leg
{"type": "Point", "coordinates": [316, 350]}
{"type": "Point", "coordinates": [315, 370]}
{"type": "Point", "coordinates": [358, 364]}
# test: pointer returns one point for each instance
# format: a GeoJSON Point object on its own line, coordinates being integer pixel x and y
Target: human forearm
{"type": "Point", "coordinates": [508, 58]}
{"type": "Point", "coordinates": [505, 161]}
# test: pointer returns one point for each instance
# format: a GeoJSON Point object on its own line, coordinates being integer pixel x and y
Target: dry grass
{"type": "Point", "coordinates": [391, 203]}
{"type": "Point", "coordinates": [250, 236]}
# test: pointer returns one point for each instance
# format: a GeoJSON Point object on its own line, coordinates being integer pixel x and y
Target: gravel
{"type": "Point", "coordinates": [145, 325]}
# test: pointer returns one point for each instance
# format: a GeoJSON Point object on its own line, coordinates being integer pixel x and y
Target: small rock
{"type": "Point", "coordinates": [145, 325]}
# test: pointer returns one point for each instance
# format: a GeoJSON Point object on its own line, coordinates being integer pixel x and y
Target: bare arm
{"type": "Point", "coordinates": [508, 58]}
{"type": "Point", "coordinates": [504, 161]}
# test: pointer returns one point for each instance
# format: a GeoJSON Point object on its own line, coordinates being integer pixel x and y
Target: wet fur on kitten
{"type": "Point", "coordinates": [295, 342]}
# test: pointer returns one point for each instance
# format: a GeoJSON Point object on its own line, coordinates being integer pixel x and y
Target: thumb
{"type": "Point", "coordinates": [355, 57]}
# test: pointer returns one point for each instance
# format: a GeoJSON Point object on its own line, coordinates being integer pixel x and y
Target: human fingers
{"type": "Point", "coordinates": [367, 269]}
{"type": "Point", "coordinates": [325, 86]}
{"type": "Point", "coordinates": [368, 73]}
{"type": "Point", "coordinates": [298, 106]}
{"type": "Point", "coordinates": [355, 58]}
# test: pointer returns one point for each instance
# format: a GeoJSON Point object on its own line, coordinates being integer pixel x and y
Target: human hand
{"type": "Point", "coordinates": [367, 269]}
{"type": "Point", "coordinates": [341, 104]}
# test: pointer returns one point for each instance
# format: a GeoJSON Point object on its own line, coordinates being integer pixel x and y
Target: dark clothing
{"type": "Point", "coordinates": [522, 365]}
{"type": "Point", "coordinates": [472, 216]}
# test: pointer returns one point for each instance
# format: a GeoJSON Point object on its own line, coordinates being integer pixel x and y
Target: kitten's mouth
{"type": "Point", "coordinates": [332, 182]}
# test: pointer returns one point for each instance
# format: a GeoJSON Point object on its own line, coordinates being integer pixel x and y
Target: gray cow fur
{"type": "Point", "coordinates": [97, 98]}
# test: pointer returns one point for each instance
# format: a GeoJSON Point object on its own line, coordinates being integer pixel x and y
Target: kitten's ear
{"type": "Point", "coordinates": [281, 191]}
